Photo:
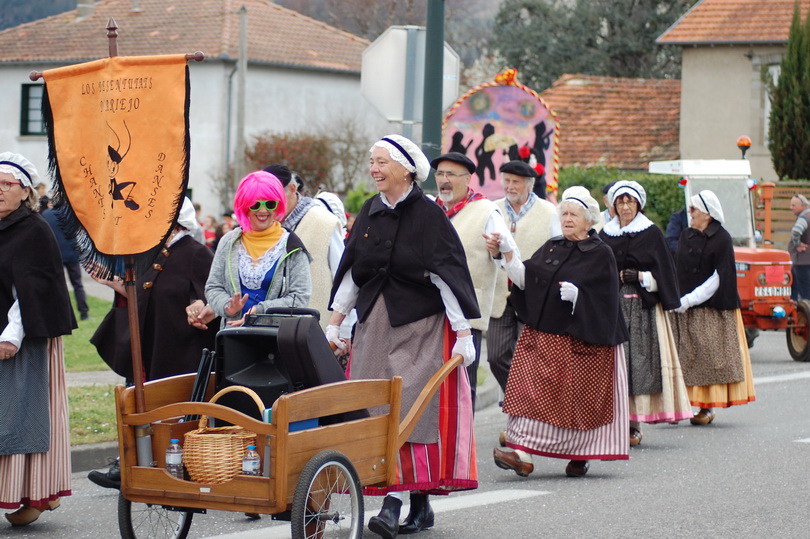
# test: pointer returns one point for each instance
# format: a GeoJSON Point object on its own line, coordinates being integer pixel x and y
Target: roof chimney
{"type": "Point", "coordinates": [136, 6]}
{"type": "Point", "coordinates": [85, 8]}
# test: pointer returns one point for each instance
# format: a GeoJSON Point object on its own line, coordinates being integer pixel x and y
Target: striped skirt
{"type": "Point", "coordinates": [607, 442]}
{"type": "Point", "coordinates": [450, 463]}
{"type": "Point", "coordinates": [37, 478]}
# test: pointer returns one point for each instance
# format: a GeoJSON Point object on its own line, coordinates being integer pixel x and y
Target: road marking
{"type": "Point", "coordinates": [781, 378]}
{"type": "Point", "coordinates": [440, 504]}
{"type": "Point", "coordinates": [803, 441]}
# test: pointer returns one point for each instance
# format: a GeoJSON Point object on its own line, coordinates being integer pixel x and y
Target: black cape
{"type": "Point", "coordinates": [389, 251]}
{"type": "Point", "coordinates": [589, 265]}
{"type": "Point", "coordinates": [702, 253]}
{"type": "Point", "coordinates": [647, 250]}
{"type": "Point", "coordinates": [31, 262]}
{"type": "Point", "coordinates": [169, 346]}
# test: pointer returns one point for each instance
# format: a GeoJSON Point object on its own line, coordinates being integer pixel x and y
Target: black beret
{"type": "Point", "coordinates": [519, 168]}
{"type": "Point", "coordinates": [606, 188]}
{"type": "Point", "coordinates": [282, 172]}
{"type": "Point", "coordinates": [455, 157]}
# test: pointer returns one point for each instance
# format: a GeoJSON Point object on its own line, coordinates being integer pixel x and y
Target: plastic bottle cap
{"type": "Point", "coordinates": [174, 441]}
{"type": "Point", "coordinates": [251, 447]}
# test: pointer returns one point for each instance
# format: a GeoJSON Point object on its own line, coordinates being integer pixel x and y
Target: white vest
{"type": "Point", "coordinates": [470, 224]}
{"type": "Point", "coordinates": [315, 230]}
{"type": "Point", "coordinates": [530, 233]}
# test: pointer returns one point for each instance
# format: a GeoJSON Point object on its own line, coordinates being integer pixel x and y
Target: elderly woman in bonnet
{"type": "Point", "coordinates": [35, 312]}
{"type": "Point", "coordinates": [566, 395]}
{"type": "Point", "coordinates": [405, 271]}
{"type": "Point", "coordinates": [258, 265]}
{"type": "Point", "coordinates": [708, 324]}
{"type": "Point", "coordinates": [648, 287]}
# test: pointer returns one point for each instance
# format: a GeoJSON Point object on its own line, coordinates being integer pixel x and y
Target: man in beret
{"type": "Point", "coordinates": [472, 215]}
{"type": "Point", "coordinates": [532, 221]}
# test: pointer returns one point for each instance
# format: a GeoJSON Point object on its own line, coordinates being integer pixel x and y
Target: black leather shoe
{"type": "Point", "coordinates": [577, 468]}
{"type": "Point", "coordinates": [421, 516]}
{"type": "Point", "coordinates": [109, 479]}
{"type": "Point", "coordinates": [386, 523]}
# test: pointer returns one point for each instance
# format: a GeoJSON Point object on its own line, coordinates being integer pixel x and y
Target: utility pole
{"type": "Point", "coordinates": [239, 151]}
{"type": "Point", "coordinates": [434, 82]}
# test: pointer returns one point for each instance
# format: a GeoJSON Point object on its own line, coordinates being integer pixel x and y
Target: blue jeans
{"type": "Point", "coordinates": [801, 282]}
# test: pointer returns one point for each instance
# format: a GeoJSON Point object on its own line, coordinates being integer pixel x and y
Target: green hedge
{"type": "Point", "coordinates": [664, 196]}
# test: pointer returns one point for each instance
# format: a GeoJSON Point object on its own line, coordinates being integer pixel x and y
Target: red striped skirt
{"type": "Point", "coordinates": [37, 478]}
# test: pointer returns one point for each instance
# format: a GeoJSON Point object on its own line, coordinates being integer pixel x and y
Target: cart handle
{"type": "Point", "coordinates": [422, 401]}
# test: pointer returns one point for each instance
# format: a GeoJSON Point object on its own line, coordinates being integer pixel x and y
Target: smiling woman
{"type": "Point", "coordinates": [259, 265]}
{"type": "Point", "coordinates": [404, 270]}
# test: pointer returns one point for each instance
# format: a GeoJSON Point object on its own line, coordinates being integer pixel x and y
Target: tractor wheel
{"type": "Point", "coordinates": [798, 335]}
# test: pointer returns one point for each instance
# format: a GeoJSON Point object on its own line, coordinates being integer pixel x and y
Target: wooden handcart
{"type": "Point", "coordinates": [315, 474]}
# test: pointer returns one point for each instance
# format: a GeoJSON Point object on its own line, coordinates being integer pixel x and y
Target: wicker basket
{"type": "Point", "coordinates": [214, 454]}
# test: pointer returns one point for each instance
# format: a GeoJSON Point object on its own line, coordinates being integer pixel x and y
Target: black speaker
{"type": "Point", "coordinates": [277, 353]}
{"type": "Point", "coordinates": [249, 356]}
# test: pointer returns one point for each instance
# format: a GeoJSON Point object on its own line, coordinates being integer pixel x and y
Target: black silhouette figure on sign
{"type": "Point", "coordinates": [113, 161]}
{"type": "Point", "coordinates": [458, 145]}
{"type": "Point", "coordinates": [484, 157]}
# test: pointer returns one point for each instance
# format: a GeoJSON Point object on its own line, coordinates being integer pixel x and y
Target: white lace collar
{"type": "Point", "coordinates": [640, 222]}
{"type": "Point", "coordinates": [384, 199]}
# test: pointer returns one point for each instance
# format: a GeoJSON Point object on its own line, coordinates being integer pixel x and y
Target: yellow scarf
{"type": "Point", "coordinates": [258, 243]}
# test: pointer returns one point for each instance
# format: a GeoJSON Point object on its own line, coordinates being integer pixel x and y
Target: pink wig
{"type": "Point", "coordinates": [259, 185]}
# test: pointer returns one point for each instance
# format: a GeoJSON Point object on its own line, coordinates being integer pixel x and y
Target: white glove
{"type": "Point", "coordinates": [569, 292]}
{"type": "Point", "coordinates": [466, 348]}
{"type": "Point", "coordinates": [685, 304]}
{"type": "Point", "coordinates": [504, 245]}
{"type": "Point", "coordinates": [333, 336]}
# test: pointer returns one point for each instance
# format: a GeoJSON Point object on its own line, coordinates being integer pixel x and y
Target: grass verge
{"type": "Point", "coordinates": [92, 414]}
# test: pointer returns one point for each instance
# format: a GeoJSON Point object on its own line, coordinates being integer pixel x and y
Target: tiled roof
{"type": "Point", "coordinates": [734, 22]}
{"type": "Point", "coordinates": [276, 35]}
{"type": "Point", "coordinates": [617, 122]}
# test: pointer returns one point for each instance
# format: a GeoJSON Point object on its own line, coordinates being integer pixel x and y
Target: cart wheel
{"type": "Point", "coordinates": [798, 334]}
{"type": "Point", "coordinates": [750, 336]}
{"type": "Point", "coordinates": [153, 521]}
{"type": "Point", "coordinates": [328, 501]}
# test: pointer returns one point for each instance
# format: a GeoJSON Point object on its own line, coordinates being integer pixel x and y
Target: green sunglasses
{"type": "Point", "coordinates": [269, 205]}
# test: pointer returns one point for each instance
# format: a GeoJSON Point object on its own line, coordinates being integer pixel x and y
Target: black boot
{"type": "Point", "coordinates": [109, 479]}
{"type": "Point", "coordinates": [421, 515]}
{"type": "Point", "coordinates": [386, 523]}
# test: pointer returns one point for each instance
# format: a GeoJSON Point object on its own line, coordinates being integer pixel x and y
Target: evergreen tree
{"type": "Point", "coordinates": [789, 131]}
{"type": "Point", "coordinates": [544, 39]}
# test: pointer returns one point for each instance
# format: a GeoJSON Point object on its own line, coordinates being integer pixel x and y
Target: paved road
{"type": "Point", "coordinates": [743, 476]}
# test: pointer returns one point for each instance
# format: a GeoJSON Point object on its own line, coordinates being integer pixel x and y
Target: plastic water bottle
{"type": "Point", "coordinates": [174, 459]}
{"type": "Point", "coordinates": [251, 465]}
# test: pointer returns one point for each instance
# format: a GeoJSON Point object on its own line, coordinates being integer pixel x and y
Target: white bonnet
{"type": "Point", "coordinates": [188, 216]}
{"type": "Point", "coordinates": [582, 197]}
{"type": "Point", "coordinates": [21, 168]}
{"type": "Point", "coordinates": [707, 202]}
{"type": "Point", "coordinates": [406, 153]}
{"type": "Point", "coordinates": [626, 187]}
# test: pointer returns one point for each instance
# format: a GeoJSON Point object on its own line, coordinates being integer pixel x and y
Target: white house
{"type": "Point", "coordinates": [302, 74]}
{"type": "Point", "coordinates": [727, 47]}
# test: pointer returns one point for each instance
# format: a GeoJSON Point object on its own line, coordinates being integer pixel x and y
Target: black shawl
{"type": "Point", "coordinates": [390, 251]}
{"type": "Point", "coordinates": [589, 265]}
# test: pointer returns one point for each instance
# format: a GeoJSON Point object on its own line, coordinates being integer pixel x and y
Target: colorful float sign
{"type": "Point", "coordinates": [492, 122]}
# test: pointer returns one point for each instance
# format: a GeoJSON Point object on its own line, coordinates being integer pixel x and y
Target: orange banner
{"type": "Point", "coordinates": [118, 129]}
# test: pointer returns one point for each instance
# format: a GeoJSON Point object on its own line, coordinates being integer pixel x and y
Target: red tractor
{"type": "Point", "coordinates": [763, 274]}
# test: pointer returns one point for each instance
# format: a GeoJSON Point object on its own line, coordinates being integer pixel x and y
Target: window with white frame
{"type": "Point", "coordinates": [31, 121]}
